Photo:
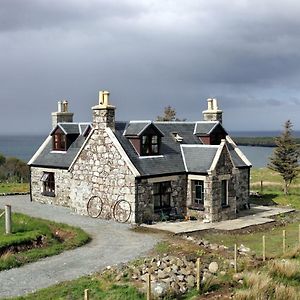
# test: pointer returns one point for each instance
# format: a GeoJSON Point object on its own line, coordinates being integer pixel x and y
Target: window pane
{"type": "Point", "coordinates": [154, 149]}
{"type": "Point", "coordinates": [224, 192]}
{"type": "Point", "coordinates": [154, 139]}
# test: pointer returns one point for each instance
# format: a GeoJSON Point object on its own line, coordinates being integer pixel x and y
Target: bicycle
{"type": "Point", "coordinates": [120, 210]}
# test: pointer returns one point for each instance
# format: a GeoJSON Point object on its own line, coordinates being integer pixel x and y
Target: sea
{"type": "Point", "coordinates": [24, 146]}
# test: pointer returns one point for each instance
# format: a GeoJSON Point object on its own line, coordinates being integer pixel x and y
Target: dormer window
{"type": "Point", "coordinates": [150, 145]}
{"type": "Point", "coordinates": [59, 141]}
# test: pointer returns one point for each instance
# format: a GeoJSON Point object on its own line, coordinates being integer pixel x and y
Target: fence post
{"type": "Point", "coordinates": [7, 219]}
{"type": "Point", "coordinates": [264, 247]}
{"type": "Point", "coordinates": [86, 294]}
{"type": "Point", "coordinates": [283, 240]}
{"type": "Point", "coordinates": [299, 235]}
{"type": "Point", "coordinates": [149, 287]}
{"type": "Point", "coordinates": [198, 275]}
{"type": "Point", "coordinates": [261, 186]}
{"type": "Point", "coordinates": [235, 258]}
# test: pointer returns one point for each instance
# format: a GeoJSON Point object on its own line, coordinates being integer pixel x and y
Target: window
{"type": "Point", "coordinates": [59, 142]}
{"type": "Point", "coordinates": [150, 145]}
{"type": "Point", "coordinates": [224, 192]}
{"type": "Point", "coordinates": [198, 193]}
{"type": "Point", "coordinates": [48, 184]}
{"type": "Point", "coordinates": [162, 195]}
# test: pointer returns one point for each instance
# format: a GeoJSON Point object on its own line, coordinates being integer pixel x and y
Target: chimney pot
{"type": "Point", "coordinates": [65, 106]}
{"type": "Point", "coordinates": [209, 104]}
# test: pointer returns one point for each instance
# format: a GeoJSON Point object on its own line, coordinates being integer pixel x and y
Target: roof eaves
{"type": "Point", "coordinates": [238, 151]}
{"type": "Point", "coordinates": [183, 158]}
{"type": "Point", "coordinates": [39, 151]}
{"type": "Point", "coordinates": [217, 156]}
{"type": "Point", "coordinates": [80, 150]}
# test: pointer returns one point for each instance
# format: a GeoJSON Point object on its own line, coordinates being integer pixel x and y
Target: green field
{"type": "Point", "coordinates": [14, 188]}
{"type": "Point", "coordinates": [34, 238]}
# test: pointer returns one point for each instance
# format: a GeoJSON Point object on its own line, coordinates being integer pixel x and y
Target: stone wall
{"type": "Point", "coordinates": [62, 186]}
{"type": "Point", "coordinates": [100, 170]}
{"type": "Point", "coordinates": [145, 203]}
{"type": "Point", "coordinates": [242, 189]}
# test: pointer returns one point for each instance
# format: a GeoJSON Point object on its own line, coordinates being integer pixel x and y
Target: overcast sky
{"type": "Point", "coordinates": [150, 54]}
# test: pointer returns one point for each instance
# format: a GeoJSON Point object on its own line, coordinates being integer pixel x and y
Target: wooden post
{"type": "Point", "coordinates": [264, 247]}
{"type": "Point", "coordinates": [283, 241]}
{"type": "Point", "coordinates": [261, 186]}
{"type": "Point", "coordinates": [7, 219]}
{"type": "Point", "coordinates": [149, 287]}
{"type": "Point", "coordinates": [235, 258]}
{"type": "Point", "coordinates": [299, 235]}
{"type": "Point", "coordinates": [86, 294]}
{"type": "Point", "coordinates": [198, 275]}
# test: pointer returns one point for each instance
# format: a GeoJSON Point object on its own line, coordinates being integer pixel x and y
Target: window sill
{"type": "Point", "coordinates": [192, 207]}
{"type": "Point", "coordinates": [225, 206]}
{"type": "Point", "coordinates": [48, 194]}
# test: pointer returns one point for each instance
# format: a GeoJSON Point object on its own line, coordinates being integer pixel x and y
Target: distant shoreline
{"type": "Point", "coordinates": [259, 141]}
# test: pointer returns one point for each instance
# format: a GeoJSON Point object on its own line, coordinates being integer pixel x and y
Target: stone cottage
{"type": "Point", "coordinates": [139, 171]}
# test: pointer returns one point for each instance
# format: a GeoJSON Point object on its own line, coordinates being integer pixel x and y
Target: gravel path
{"type": "Point", "coordinates": [112, 243]}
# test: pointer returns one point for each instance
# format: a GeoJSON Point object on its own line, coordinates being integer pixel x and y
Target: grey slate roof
{"type": "Point", "coordinates": [203, 128]}
{"type": "Point", "coordinates": [72, 128]}
{"type": "Point", "coordinates": [57, 159]}
{"type": "Point", "coordinates": [198, 158]}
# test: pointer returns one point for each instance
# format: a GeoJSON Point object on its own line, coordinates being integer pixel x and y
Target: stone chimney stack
{"type": "Point", "coordinates": [62, 115]}
{"type": "Point", "coordinates": [104, 113]}
{"type": "Point", "coordinates": [213, 113]}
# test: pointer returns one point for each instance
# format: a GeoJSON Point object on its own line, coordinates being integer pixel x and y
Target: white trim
{"type": "Point", "coordinates": [80, 150]}
{"type": "Point", "coordinates": [122, 152]}
{"type": "Point", "coordinates": [162, 179]}
{"type": "Point", "coordinates": [238, 151]}
{"type": "Point", "coordinates": [39, 151]}
{"type": "Point", "coordinates": [183, 158]}
{"type": "Point", "coordinates": [58, 151]}
{"type": "Point", "coordinates": [151, 156]}
{"type": "Point", "coordinates": [175, 122]}
{"type": "Point", "coordinates": [197, 177]}
{"type": "Point", "coordinates": [217, 156]}
{"type": "Point", "coordinates": [140, 121]}
{"type": "Point", "coordinates": [199, 146]}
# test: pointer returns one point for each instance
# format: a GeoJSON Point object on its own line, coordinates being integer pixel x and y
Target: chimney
{"type": "Point", "coordinates": [62, 115]}
{"type": "Point", "coordinates": [213, 113]}
{"type": "Point", "coordinates": [104, 113]}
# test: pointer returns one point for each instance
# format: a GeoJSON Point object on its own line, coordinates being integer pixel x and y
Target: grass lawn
{"type": "Point", "coordinates": [254, 240]}
{"type": "Point", "coordinates": [272, 192]}
{"type": "Point", "coordinates": [34, 238]}
{"type": "Point", "coordinates": [100, 288]}
{"type": "Point", "coordinates": [14, 187]}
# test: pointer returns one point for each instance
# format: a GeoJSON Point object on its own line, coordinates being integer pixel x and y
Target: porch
{"type": "Point", "coordinates": [257, 215]}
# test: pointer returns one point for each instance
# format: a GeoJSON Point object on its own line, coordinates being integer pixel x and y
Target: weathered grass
{"type": "Point", "coordinates": [260, 286]}
{"type": "Point", "coordinates": [289, 269]}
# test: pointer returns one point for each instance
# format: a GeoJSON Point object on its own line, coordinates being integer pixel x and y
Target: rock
{"type": "Point", "coordinates": [205, 243]}
{"type": "Point", "coordinates": [174, 268]}
{"type": "Point", "coordinates": [190, 238]}
{"type": "Point", "coordinates": [190, 280]}
{"type": "Point", "coordinates": [222, 273]}
{"type": "Point", "coordinates": [161, 274]}
{"type": "Point", "coordinates": [213, 267]}
{"type": "Point", "coordinates": [180, 277]}
{"type": "Point", "coordinates": [159, 289]}
{"type": "Point", "coordinates": [185, 271]}
{"type": "Point", "coordinates": [214, 246]}
{"type": "Point", "coordinates": [175, 287]}
{"type": "Point", "coordinates": [244, 249]}
{"type": "Point", "coordinates": [206, 276]}
{"type": "Point", "coordinates": [182, 287]}
{"type": "Point", "coordinates": [237, 276]}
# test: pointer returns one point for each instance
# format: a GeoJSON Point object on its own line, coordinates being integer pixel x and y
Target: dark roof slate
{"type": "Point", "coordinates": [198, 158]}
{"type": "Point", "coordinates": [204, 128]}
{"type": "Point", "coordinates": [61, 159]}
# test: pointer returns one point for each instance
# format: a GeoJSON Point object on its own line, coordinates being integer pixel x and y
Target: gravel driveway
{"type": "Point", "coordinates": [112, 243]}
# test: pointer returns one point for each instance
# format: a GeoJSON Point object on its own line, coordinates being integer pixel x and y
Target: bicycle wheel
{"type": "Point", "coordinates": [94, 206]}
{"type": "Point", "coordinates": [122, 211]}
